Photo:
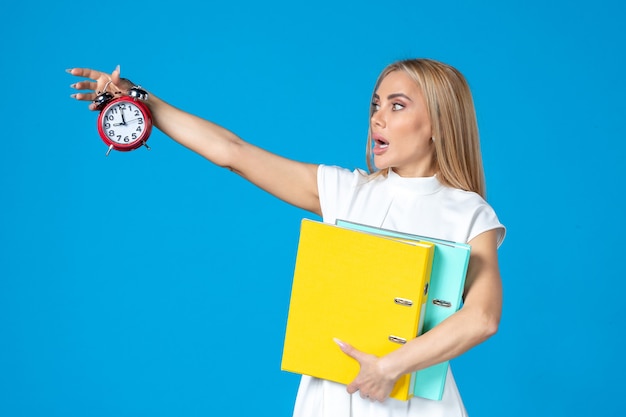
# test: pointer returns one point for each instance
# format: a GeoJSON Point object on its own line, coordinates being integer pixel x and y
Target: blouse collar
{"type": "Point", "coordinates": [415, 185]}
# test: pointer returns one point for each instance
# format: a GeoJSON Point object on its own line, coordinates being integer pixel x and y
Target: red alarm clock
{"type": "Point", "coordinates": [124, 123]}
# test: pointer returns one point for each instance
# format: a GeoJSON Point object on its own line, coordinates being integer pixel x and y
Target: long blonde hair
{"type": "Point", "coordinates": [457, 157]}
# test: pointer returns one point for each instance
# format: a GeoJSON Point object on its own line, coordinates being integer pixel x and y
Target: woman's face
{"type": "Point", "coordinates": [400, 127]}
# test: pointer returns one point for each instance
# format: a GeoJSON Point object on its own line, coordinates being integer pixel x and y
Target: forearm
{"type": "Point", "coordinates": [208, 139]}
{"type": "Point", "coordinates": [453, 337]}
{"type": "Point", "coordinates": [291, 181]}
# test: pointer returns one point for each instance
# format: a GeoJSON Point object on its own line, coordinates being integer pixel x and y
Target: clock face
{"type": "Point", "coordinates": [124, 123]}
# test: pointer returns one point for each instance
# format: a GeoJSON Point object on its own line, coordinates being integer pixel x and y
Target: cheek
{"type": "Point", "coordinates": [423, 129]}
{"type": "Point", "coordinates": [415, 130]}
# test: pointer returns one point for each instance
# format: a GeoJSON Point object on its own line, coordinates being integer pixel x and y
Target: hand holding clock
{"type": "Point", "coordinates": [97, 82]}
{"type": "Point", "coordinates": [113, 96]}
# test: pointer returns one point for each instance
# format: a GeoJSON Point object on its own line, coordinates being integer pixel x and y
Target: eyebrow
{"type": "Point", "coordinates": [392, 96]}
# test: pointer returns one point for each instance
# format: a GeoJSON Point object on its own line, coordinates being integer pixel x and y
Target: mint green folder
{"type": "Point", "coordinates": [447, 280]}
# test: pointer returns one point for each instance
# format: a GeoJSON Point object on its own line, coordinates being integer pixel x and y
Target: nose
{"type": "Point", "coordinates": [378, 119]}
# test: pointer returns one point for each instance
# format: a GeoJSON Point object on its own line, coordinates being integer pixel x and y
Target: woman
{"type": "Point", "coordinates": [427, 179]}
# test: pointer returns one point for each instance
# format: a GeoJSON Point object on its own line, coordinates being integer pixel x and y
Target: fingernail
{"type": "Point", "coordinates": [117, 69]}
{"type": "Point", "coordinates": [73, 95]}
{"type": "Point", "coordinates": [339, 342]}
{"type": "Point", "coordinates": [73, 85]}
{"type": "Point", "coordinates": [69, 70]}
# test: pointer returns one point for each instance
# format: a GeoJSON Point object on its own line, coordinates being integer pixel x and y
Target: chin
{"type": "Point", "coordinates": [380, 165]}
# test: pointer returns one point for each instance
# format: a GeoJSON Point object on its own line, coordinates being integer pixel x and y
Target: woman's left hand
{"type": "Point", "coordinates": [98, 82]}
{"type": "Point", "coordinates": [372, 381]}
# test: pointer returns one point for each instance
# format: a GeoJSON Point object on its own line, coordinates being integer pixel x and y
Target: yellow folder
{"type": "Point", "coordinates": [369, 291]}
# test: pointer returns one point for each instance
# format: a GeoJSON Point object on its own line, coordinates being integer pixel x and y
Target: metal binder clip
{"type": "Point", "coordinates": [442, 303]}
{"type": "Point", "coordinates": [396, 339]}
{"type": "Point", "coordinates": [403, 301]}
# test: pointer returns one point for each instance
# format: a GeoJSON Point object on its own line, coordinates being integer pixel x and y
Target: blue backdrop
{"type": "Point", "coordinates": [153, 283]}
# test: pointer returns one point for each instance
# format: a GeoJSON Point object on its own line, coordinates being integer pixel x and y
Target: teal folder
{"type": "Point", "coordinates": [447, 280]}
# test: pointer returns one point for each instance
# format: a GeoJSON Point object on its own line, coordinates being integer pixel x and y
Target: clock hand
{"type": "Point", "coordinates": [123, 119]}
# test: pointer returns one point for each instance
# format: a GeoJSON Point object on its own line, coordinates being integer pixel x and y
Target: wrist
{"type": "Point", "coordinates": [391, 366]}
{"type": "Point", "coordinates": [139, 93]}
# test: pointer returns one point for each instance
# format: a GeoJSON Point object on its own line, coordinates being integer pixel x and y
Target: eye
{"type": "Point", "coordinates": [397, 106]}
{"type": "Point", "coordinates": [375, 106]}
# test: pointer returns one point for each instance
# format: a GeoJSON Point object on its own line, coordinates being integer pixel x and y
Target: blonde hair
{"type": "Point", "coordinates": [457, 158]}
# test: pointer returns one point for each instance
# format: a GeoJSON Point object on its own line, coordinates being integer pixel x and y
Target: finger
{"type": "Point", "coordinates": [90, 97]}
{"type": "Point", "coordinates": [122, 85]}
{"type": "Point", "coordinates": [352, 388]}
{"type": "Point", "coordinates": [366, 396]}
{"type": "Point", "coordinates": [350, 350]}
{"type": "Point", "coordinates": [115, 75]}
{"type": "Point", "coordinates": [100, 80]}
{"type": "Point", "coordinates": [84, 96]}
{"type": "Point", "coordinates": [84, 85]}
{"type": "Point", "coordinates": [89, 73]}
{"type": "Point", "coordinates": [96, 85]}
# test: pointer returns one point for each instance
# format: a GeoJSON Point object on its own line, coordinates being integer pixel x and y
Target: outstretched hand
{"type": "Point", "coordinates": [97, 83]}
{"type": "Point", "coordinates": [372, 382]}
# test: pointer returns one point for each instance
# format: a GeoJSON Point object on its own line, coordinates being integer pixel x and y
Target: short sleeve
{"type": "Point", "coordinates": [335, 187]}
{"type": "Point", "coordinates": [485, 219]}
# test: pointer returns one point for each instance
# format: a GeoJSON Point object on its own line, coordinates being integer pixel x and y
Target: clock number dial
{"type": "Point", "coordinates": [123, 123]}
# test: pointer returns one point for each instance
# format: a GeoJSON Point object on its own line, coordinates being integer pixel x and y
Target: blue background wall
{"type": "Point", "coordinates": [154, 283]}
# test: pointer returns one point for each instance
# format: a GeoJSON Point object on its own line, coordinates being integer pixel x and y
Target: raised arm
{"type": "Point", "coordinates": [291, 181]}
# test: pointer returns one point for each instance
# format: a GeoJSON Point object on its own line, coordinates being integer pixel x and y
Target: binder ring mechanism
{"type": "Point", "coordinates": [403, 301]}
{"type": "Point", "coordinates": [442, 303]}
{"type": "Point", "coordinates": [397, 339]}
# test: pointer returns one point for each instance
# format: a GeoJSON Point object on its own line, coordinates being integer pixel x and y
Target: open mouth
{"type": "Point", "coordinates": [381, 143]}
